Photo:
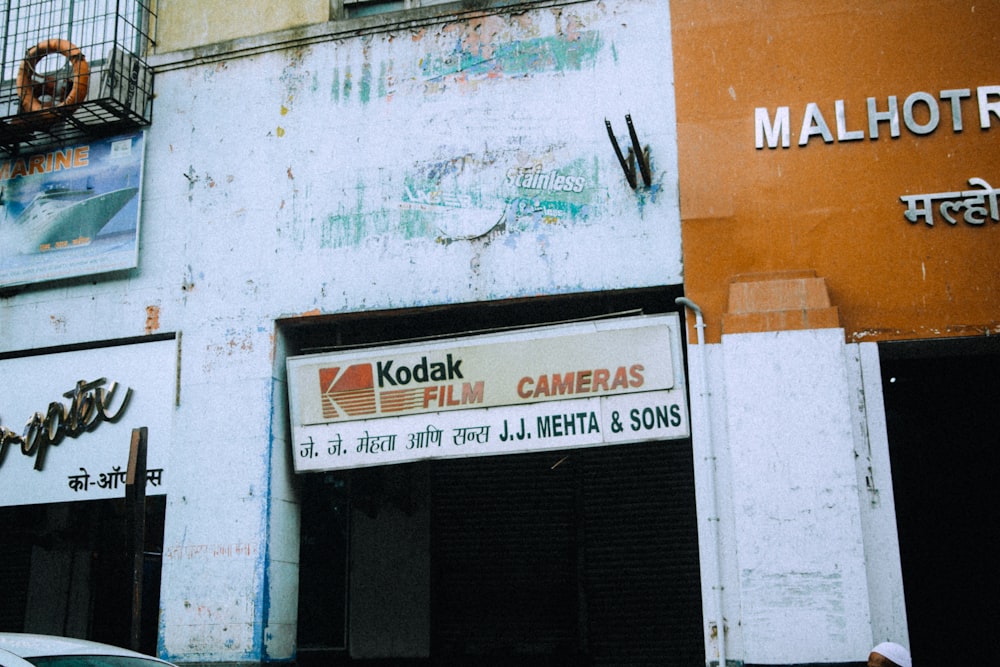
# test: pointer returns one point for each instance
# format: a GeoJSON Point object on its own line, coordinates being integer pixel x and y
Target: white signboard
{"type": "Point", "coordinates": [66, 428]}
{"type": "Point", "coordinates": [578, 385]}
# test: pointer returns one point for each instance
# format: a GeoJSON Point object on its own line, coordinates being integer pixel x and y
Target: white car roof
{"type": "Point", "coordinates": [31, 646]}
{"type": "Point", "coordinates": [8, 659]}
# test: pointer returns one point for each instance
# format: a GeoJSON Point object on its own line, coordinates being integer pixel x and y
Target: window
{"type": "Point", "coordinates": [357, 8]}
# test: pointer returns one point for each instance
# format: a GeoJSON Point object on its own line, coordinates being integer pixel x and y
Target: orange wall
{"type": "Point", "coordinates": [835, 207]}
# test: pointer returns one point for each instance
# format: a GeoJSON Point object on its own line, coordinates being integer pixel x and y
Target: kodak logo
{"type": "Point", "coordinates": [348, 391]}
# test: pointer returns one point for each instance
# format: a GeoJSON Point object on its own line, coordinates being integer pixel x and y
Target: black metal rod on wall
{"type": "Point", "coordinates": [135, 500]}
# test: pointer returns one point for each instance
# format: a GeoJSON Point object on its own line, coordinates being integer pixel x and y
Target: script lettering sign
{"type": "Point", "coordinates": [90, 404]}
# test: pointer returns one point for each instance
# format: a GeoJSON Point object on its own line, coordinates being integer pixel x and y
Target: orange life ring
{"type": "Point", "coordinates": [61, 91]}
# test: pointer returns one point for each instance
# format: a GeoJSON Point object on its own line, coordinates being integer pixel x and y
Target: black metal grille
{"type": "Point", "coordinates": [73, 68]}
{"type": "Point", "coordinates": [576, 557]}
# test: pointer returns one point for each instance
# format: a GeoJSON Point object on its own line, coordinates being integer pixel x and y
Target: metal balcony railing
{"type": "Point", "coordinates": [71, 69]}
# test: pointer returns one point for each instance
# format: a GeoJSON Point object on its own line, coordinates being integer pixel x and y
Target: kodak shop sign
{"type": "Point", "coordinates": [576, 385]}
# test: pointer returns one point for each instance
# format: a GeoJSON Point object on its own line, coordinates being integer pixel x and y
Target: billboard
{"type": "Point", "coordinates": [565, 386]}
{"type": "Point", "coordinates": [70, 211]}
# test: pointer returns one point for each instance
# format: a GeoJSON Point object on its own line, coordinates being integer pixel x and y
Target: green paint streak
{"type": "Point", "coordinates": [414, 224]}
{"type": "Point", "coordinates": [383, 80]}
{"type": "Point", "coordinates": [366, 83]}
{"type": "Point", "coordinates": [342, 229]}
{"type": "Point", "coordinates": [346, 227]}
{"type": "Point", "coordinates": [335, 86]}
{"type": "Point", "coordinates": [347, 84]}
{"type": "Point", "coordinates": [356, 222]}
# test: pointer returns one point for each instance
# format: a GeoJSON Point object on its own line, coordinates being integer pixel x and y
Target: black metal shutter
{"type": "Point", "coordinates": [504, 559]}
{"type": "Point", "coordinates": [641, 564]}
{"type": "Point", "coordinates": [584, 556]}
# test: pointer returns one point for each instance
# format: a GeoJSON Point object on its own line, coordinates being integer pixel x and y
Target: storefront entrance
{"type": "Point", "coordinates": [944, 444]}
{"type": "Point", "coordinates": [66, 569]}
{"type": "Point", "coordinates": [579, 557]}
{"type": "Point", "coordinates": [572, 556]}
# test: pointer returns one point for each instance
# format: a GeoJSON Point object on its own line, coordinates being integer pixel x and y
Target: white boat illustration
{"type": "Point", "coordinates": [59, 218]}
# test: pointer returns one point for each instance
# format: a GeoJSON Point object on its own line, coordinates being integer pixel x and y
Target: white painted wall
{"type": "Point", "coordinates": [810, 565]}
{"type": "Point", "coordinates": [360, 173]}
{"type": "Point", "coordinates": [876, 499]}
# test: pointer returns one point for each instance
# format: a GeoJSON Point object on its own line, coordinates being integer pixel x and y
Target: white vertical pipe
{"type": "Point", "coordinates": [713, 520]}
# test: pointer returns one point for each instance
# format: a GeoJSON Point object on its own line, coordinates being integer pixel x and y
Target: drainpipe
{"type": "Point", "coordinates": [713, 520]}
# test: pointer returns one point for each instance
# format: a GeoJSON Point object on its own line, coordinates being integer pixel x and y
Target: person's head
{"type": "Point", "coordinates": [889, 654]}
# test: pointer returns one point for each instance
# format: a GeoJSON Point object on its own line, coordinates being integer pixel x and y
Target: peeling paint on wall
{"type": "Point", "coordinates": [234, 342]}
{"type": "Point", "coordinates": [816, 599]}
{"type": "Point", "coordinates": [152, 319]}
{"type": "Point", "coordinates": [463, 56]}
{"type": "Point", "coordinates": [523, 160]}
{"type": "Point", "coordinates": [467, 197]}
{"type": "Point", "coordinates": [296, 78]}
{"type": "Point", "coordinates": [407, 148]}
{"type": "Point", "coordinates": [469, 65]}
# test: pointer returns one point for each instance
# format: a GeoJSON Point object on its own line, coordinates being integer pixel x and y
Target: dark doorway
{"type": "Point", "coordinates": [68, 570]}
{"type": "Point", "coordinates": [944, 444]}
{"type": "Point", "coordinates": [575, 557]}
{"type": "Point", "coordinates": [583, 557]}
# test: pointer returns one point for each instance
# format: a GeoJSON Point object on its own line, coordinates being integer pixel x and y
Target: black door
{"type": "Point", "coordinates": [943, 418]}
{"type": "Point", "coordinates": [67, 570]}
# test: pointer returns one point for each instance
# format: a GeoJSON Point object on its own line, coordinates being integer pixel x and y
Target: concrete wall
{"type": "Point", "coordinates": [809, 568]}
{"type": "Point", "coordinates": [182, 24]}
{"type": "Point", "coordinates": [444, 162]}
